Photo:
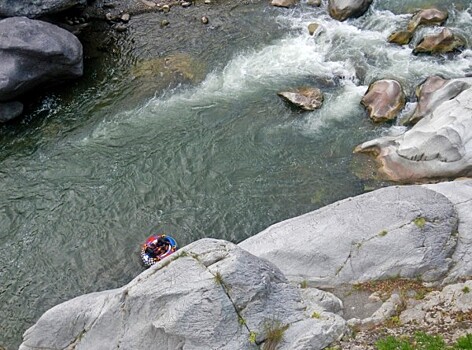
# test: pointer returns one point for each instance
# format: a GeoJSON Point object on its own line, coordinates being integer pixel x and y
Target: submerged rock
{"type": "Point", "coordinates": [383, 100]}
{"type": "Point", "coordinates": [10, 110]}
{"type": "Point", "coordinates": [443, 42]}
{"type": "Point", "coordinates": [306, 98]}
{"type": "Point", "coordinates": [344, 9]}
{"type": "Point", "coordinates": [35, 53]}
{"type": "Point", "coordinates": [209, 295]}
{"type": "Point", "coordinates": [32, 9]}
{"type": "Point", "coordinates": [438, 146]}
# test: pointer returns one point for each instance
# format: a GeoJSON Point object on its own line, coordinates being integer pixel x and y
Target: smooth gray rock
{"type": "Point", "coordinates": [344, 9]}
{"type": "Point", "coordinates": [32, 9]}
{"type": "Point", "coordinates": [392, 232]}
{"type": "Point", "coordinates": [459, 192]}
{"type": "Point", "coordinates": [209, 295]}
{"type": "Point", "coordinates": [10, 110]}
{"type": "Point", "coordinates": [319, 301]}
{"type": "Point", "coordinates": [438, 146]}
{"type": "Point", "coordinates": [34, 53]}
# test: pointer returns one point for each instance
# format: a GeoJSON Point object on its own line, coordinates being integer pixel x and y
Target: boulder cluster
{"type": "Point", "coordinates": [34, 53]}
{"type": "Point", "coordinates": [437, 145]}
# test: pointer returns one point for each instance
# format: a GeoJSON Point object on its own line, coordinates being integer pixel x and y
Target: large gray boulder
{"type": "Point", "coordinates": [32, 9]}
{"type": "Point", "coordinates": [460, 194]}
{"type": "Point", "coordinates": [34, 53]}
{"type": "Point", "coordinates": [209, 295]}
{"type": "Point", "coordinates": [408, 232]}
{"type": "Point", "coordinates": [438, 146]}
{"type": "Point", "coordinates": [344, 9]}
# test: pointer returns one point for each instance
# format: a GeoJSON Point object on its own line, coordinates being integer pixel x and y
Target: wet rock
{"type": "Point", "coordinates": [186, 4]}
{"type": "Point", "coordinates": [10, 110]}
{"type": "Point", "coordinates": [434, 91]}
{"type": "Point", "coordinates": [165, 8]}
{"type": "Point", "coordinates": [383, 100]}
{"type": "Point", "coordinates": [313, 27]}
{"type": "Point", "coordinates": [438, 146]}
{"type": "Point", "coordinates": [34, 53]}
{"type": "Point", "coordinates": [283, 3]}
{"type": "Point", "coordinates": [33, 9]}
{"type": "Point", "coordinates": [306, 98]}
{"type": "Point", "coordinates": [443, 42]}
{"type": "Point", "coordinates": [164, 23]}
{"type": "Point", "coordinates": [204, 20]}
{"type": "Point", "coordinates": [358, 239]}
{"type": "Point", "coordinates": [430, 16]}
{"type": "Point", "coordinates": [344, 9]}
{"type": "Point", "coordinates": [209, 295]}
{"type": "Point", "coordinates": [402, 37]}
{"type": "Point", "coordinates": [315, 3]}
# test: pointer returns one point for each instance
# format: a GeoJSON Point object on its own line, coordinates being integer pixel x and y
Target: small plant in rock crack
{"type": "Point", "coordinates": [274, 331]}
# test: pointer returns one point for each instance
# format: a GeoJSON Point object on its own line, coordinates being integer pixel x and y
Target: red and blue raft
{"type": "Point", "coordinates": [156, 248]}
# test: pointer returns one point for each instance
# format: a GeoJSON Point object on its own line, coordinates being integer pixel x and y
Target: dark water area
{"type": "Point", "coordinates": [179, 130]}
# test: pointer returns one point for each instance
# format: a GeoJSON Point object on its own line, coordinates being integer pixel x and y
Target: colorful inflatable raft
{"type": "Point", "coordinates": [156, 248]}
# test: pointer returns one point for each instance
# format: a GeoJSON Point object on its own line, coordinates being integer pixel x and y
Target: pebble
{"type": "Point", "coordinates": [125, 17]}
{"type": "Point", "coordinates": [120, 27]}
{"type": "Point", "coordinates": [207, 1]}
{"type": "Point", "coordinates": [204, 20]}
{"type": "Point", "coordinates": [164, 23]}
{"type": "Point", "coordinates": [186, 4]}
{"type": "Point", "coordinates": [165, 8]}
{"type": "Point", "coordinates": [109, 17]}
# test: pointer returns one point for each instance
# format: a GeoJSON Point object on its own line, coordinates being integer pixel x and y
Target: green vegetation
{"type": "Point", "coordinates": [423, 341]}
{"type": "Point", "coordinates": [393, 322]}
{"type": "Point", "coordinates": [218, 279]}
{"type": "Point", "coordinates": [241, 320]}
{"type": "Point", "coordinates": [383, 233]}
{"type": "Point", "coordinates": [252, 337]}
{"type": "Point", "coordinates": [420, 222]}
{"type": "Point", "coordinates": [304, 284]}
{"type": "Point", "coordinates": [465, 290]}
{"type": "Point", "coordinates": [315, 315]}
{"type": "Point", "coordinates": [274, 334]}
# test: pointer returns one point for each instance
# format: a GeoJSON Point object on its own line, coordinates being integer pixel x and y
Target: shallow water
{"type": "Point", "coordinates": [180, 131]}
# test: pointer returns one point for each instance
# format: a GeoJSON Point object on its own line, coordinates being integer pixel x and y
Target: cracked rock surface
{"type": "Point", "coordinates": [209, 295]}
{"type": "Point", "coordinates": [408, 232]}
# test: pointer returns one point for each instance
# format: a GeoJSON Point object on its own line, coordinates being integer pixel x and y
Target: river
{"type": "Point", "coordinates": [179, 130]}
